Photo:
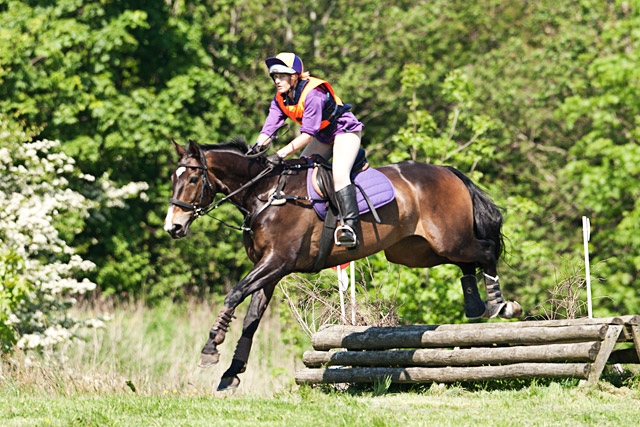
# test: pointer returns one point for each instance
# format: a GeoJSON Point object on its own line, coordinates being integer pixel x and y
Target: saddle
{"type": "Point", "coordinates": [322, 178]}
{"type": "Point", "coordinates": [374, 190]}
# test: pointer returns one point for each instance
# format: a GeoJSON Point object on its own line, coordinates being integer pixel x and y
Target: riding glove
{"type": "Point", "coordinates": [274, 160]}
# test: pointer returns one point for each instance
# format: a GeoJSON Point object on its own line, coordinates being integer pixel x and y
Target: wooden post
{"type": "Point", "coordinates": [352, 269]}
{"type": "Point", "coordinates": [635, 333]}
{"type": "Point", "coordinates": [342, 287]}
{"type": "Point", "coordinates": [605, 351]}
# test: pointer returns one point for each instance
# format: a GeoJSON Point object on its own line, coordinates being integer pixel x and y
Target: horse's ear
{"type": "Point", "coordinates": [194, 149]}
{"type": "Point", "coordinates": [179, 149]}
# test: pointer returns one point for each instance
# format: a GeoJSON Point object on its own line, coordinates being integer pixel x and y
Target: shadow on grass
{"type": "Point", "coordinates": [615, 377]}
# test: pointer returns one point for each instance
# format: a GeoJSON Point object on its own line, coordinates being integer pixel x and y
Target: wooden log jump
{"type": "Point", "coordinates": [576, 348]}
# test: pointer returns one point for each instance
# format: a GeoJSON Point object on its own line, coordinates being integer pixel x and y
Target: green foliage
{"type": "Point", "coordinates": [538, 85]}
{"type": "Point", "coordinates": [602, 169]}
{"type": "Point", "coordinates": [423, 296]}
{"type": "Point", "coordinates": [13, 289]}
{"type": "Point", "coordinates": [536, 101]}
{"type": "Point", "coordinates": [115, 83]}
{"type": "Point", "coordinates": [464, 141]}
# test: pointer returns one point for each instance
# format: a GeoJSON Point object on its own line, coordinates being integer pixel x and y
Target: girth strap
{"type": "Point", "coordinates": [326, 239]}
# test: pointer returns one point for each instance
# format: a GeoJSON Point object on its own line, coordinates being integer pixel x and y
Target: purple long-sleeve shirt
{"type": "Point", "coordinates": [312, 118]}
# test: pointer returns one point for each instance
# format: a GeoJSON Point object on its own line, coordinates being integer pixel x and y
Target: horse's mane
{"type": "Point", "coordinates": [236, 144]}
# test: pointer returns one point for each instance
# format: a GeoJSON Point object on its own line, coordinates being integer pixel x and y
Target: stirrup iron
{"type": "Point", "coordinates": [342, 231]}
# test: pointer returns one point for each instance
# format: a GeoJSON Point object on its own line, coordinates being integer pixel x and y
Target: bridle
{"type": "Point", "coordinates": [196, 205]}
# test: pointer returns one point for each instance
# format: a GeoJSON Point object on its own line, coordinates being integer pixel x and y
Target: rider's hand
{"type": "Point", "coordinates": [274, 160]}
{"type": "Point", "coordinates": [253, 149]}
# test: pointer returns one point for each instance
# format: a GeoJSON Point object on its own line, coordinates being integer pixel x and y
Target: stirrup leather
{"type": "Point", "coordinates": [345, 236]}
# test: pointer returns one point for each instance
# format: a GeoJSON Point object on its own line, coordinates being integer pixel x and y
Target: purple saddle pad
{"type": "Point", "coordinates": [374, 183]}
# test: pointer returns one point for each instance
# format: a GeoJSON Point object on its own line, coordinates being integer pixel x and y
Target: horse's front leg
{"type": "Point", "coordinates": [265, 275]}
{"type": "Point", "coordinates": [259, 302]}
{"type": "Point", "coordinates": [209, 355]}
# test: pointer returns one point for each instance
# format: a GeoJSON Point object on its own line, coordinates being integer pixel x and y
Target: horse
{"type": "Point", "coordinates": [438, 216]}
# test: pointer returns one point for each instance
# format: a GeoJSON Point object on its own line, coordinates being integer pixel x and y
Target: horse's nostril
{"type": "Point", "coordinates": [174, 230]}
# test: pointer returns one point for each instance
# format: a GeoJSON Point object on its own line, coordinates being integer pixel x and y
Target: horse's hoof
{"type": "Point", "coordinates": [208, 360]}
{"type": "Point", "coordinates": [228, 383]}
{"type": "Point", "coordinates": [511, 310]}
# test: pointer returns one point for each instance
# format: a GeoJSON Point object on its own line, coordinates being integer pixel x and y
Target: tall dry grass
{"type": "Point", "coordinates": [314, 301]}
{"type": "Point", "coordinates": [155, 351]}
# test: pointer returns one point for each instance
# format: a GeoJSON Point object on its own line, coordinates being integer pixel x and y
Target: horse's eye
{"type": "Point", "coordinates": [193, 180]}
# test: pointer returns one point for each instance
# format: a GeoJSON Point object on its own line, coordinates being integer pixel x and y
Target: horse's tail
{"type": "Point", "coordinates": [487, 215]}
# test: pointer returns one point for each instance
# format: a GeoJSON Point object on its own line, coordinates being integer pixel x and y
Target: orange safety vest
{"type": "Point", "coordinates": [294, 112]}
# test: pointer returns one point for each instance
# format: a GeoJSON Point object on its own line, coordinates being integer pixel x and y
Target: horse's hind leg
{"type": "Point", "coordinates": [474, 307]}
{"type": "Point", "coordinates": [496, 304]}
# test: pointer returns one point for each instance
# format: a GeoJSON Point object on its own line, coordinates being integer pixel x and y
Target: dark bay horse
{"type": "Point", "coordinates": [438, 217]}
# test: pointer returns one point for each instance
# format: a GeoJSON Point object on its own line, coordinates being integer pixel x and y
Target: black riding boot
{"type": "Point", "coordinates": [345, 234]}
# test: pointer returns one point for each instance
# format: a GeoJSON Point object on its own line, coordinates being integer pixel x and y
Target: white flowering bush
{"type": "Point", "coordinates": [39, 272]}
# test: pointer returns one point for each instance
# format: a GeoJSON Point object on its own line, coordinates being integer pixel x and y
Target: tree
{"type": "Point", "coordinates": [38, 269]}
{"type": "Point", "coordinates": [602, 172]}
{"type": "Point", "coordinates": [114, 82]}
{"type": "Point", "coordinates": [533, 88]}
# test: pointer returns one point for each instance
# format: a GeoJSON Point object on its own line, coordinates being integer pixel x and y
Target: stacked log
{"type": "Point", "coordinates": [577, 348]}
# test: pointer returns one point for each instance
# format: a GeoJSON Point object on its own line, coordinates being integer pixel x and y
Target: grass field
{"type": "Point", "coordinates": [551, 405]}
{"type": "Point", "coordinates": [141, 371]}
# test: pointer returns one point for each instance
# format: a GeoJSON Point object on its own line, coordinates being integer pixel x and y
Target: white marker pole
{"type": "Point", "coordinates": [352, 266]}
{"type": "Point", "coordinates": [343, 283]}
{"type": "Point", "coordinates": [586, 234]}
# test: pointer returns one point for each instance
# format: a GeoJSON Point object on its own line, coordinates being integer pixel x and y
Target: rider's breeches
{"type": "Point", "coordinates": [345, 149]}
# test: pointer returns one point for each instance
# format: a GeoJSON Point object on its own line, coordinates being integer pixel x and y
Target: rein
{"type": "Point", "coordinates": [206, 210]}
{"type": "Point", "coordinates": [276, 198]}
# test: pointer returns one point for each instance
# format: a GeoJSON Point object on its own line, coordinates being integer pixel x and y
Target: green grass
{"type": "Point", "coordinates": [155, 352]}
{"type": "Point", "coordinates": [551, 405]}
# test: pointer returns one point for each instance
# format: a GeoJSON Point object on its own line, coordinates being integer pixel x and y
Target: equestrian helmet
{"type": "Point", "coordinates": [285, 63]}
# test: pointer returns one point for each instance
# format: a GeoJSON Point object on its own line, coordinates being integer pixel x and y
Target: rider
{"type": "Point", "coordinates": [327, 129]}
